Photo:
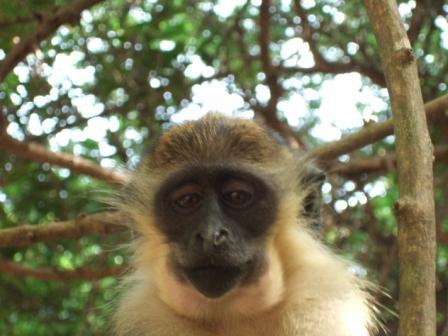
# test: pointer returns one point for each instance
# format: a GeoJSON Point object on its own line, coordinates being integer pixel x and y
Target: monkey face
{"type": "Point", "coordinates": [215, 220]}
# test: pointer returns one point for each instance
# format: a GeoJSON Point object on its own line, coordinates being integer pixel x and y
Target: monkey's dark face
{"type": "Point", "coordinates": [216, 220]}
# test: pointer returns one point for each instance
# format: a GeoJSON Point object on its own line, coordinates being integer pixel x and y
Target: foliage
{"type": "Point", "coordinates": [105, 88]}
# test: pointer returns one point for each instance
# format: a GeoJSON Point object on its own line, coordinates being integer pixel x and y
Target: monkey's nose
{"type": "Point", "coordinates": [220, 237]}
{"type": "Point", "coordinates": [215, 238]}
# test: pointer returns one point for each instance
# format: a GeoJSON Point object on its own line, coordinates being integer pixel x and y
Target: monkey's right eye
{"type": "Point", "coordinates": [189, 201]}
{"type": "Point", "coordinates": [187, 197]}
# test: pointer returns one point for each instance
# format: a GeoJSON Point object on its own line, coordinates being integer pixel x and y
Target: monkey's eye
{"type": "Point", "coordinates": [188, 201]}
{"type": "Point", "coordinates": [237, 193]}
{"type": "Point", "coordinates": [187, 197]}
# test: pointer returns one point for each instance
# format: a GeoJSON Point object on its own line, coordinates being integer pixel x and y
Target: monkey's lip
{"type": "Point", "coordinates": [214, 281]}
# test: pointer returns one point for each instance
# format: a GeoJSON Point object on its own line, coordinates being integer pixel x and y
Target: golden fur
{"type": "Point", "coordinates": [305, 291]}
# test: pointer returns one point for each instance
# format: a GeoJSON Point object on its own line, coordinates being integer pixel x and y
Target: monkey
{"type": "Point", "coordinates": [221, 208]}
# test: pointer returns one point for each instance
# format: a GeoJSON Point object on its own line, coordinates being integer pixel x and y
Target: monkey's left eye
{"type": "Point", "coordinates": [237, 193]}
{"type": "Point", "coordinates": [187, 197]}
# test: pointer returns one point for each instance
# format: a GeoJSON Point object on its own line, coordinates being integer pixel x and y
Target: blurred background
{"type": "Point", "coordinates": [100, 80]}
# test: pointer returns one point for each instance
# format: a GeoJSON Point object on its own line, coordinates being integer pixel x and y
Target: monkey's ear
{"type": "Point", "coordinates": [312, 180]}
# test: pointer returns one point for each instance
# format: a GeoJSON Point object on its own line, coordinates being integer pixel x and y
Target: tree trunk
{"type": "Point", "coordinates": [415, 206]}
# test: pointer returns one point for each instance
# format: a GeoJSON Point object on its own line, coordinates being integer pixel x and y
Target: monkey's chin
{"type": "Point", "coordinates": [214, 281]}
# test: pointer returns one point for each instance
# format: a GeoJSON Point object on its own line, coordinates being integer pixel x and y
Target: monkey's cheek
{"type": "Point", "coordinates": [214, 282]}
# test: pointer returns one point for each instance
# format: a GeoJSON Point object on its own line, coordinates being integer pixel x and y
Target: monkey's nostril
{"type": "Point", "coordinates": [220, 237]}
{"type": "Point", "coordinates": [211, 240]}
{"type": "Point", "coordinates": [198, 238]}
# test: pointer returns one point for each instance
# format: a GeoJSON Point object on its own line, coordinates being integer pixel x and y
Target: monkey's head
{"type": "Point", "coordinates": [209, 201]}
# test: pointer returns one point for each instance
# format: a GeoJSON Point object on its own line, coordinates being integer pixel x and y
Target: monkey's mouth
{"type": "Point", "coordinates": [214, 281]}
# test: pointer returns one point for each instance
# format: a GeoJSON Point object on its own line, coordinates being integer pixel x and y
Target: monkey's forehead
{"type": "Point", "coordinates": [214, 138]}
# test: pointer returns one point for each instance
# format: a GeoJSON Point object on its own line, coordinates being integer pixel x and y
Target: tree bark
{"type": "Point", "coordinates": [50, 274]}
{"type": "Point", "coordinates": [98, 224]}
{"type": "Point", "coordinates": [415, 206]}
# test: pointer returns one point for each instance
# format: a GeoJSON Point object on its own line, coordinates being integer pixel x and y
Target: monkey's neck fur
{"type": "Point", "coordinates": [304, 291]}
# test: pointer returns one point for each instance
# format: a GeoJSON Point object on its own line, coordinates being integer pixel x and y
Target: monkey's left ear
{"type": "Point", "coordinates": [312, 180]}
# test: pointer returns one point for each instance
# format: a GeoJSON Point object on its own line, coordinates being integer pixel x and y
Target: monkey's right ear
{"type": "Point", "coordinates": [312, 180]}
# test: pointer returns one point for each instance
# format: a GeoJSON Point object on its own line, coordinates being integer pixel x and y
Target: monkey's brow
{"type": "Point", "coordinates": [196, 174]}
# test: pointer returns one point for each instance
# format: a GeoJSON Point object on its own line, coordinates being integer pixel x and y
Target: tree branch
{"type": "Point", "coordinates": [418, 17]}
{"type": "Point", "coordinates": [239, 31]}
{"type": "Point", "coordinates": [50, 274]}
{"type": "Point", "coordinates": [20, 20]}
{"type": "Point", "coordinates": [39, 153]}
{"type": "Point", "coordinates": [415, 206]}
{"type": "Point", "coordinates": [378, 164]}
{"type": "Point", "coordinates": [97, 224]}
{"type": "Point", "coordinates": [442, 236]}
{"type": "Point", "coordinates": [442, 211]}
{"type": "Point", "coordinates": [47, 26]}
{"type": "Point", "coordinates": [436, 109]}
